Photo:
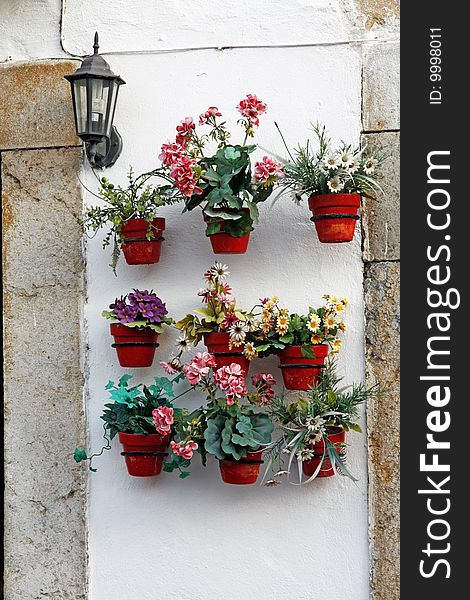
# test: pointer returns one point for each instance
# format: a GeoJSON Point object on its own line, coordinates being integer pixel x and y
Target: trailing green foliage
{"type": "Point", "coordinates": [139, 200]}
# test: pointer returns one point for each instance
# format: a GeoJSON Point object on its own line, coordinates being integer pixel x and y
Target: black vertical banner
{"type": "Point", "coordinates": [435, 259]}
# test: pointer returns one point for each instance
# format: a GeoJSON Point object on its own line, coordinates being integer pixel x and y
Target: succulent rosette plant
{"type": "Point", "coordinates": [312, 428]}
{"type": "Point", "coordinates": [219, 314]}
{"type": "Point", "coordinates": [140, 309]}
{"type": "Point", "coordinates": [223, 184]}
{"type": "Point", "coordinates": [233, 421]}
{"type": "Point", "coordinates": [279, 328]}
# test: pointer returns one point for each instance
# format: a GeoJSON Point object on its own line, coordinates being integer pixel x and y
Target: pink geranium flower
{"type": "Point", "coordinates": [185, 451]}
{"type": "Point", "coordinates": [184, 131]}
{"type": "Point", "coordinates": [263, 383]}
{"type": "Point", "coordinates": [198, 367]}
{"type": "Point", "coordinates": [171, 153]}
{"type": "Point", "coordinates": [163, 419]}
{"type": "Point", "coordinates": [212, 111]}
{"type": "Point", "coordinates": [231, 379]}
{"type": "Point", "coordinates": [203, 360]}
{"type": "Point", "coordinates": [267, 169]}
{"type": "Point", "coordinates": [182, 173]}
{"type": "Point", "coordinates": [265, 378]}
{"type": "Point", "coordinates": [251, 107]}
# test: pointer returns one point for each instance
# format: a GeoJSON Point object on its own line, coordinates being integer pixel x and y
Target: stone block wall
{"type": "Point", "coordinates": [381, 255]}
{"type": "Point", "coordinates": [45, 529]}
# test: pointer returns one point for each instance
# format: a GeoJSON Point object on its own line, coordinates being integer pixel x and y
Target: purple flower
{"type": "Point", "coordinates": [139, 305]}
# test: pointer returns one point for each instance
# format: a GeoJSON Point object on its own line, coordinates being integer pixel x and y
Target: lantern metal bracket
{"type": "Point", "coordinates": [106, 152]}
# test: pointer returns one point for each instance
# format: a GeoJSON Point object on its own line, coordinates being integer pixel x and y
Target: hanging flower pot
{"type": "Point", "coordinates": [336, 437]}
{"type": "Point", "coordinates": [218, 345]}
{"type": "Point", "coordinates": [134, 347]}
{"type": "Point", "coordinates": [144, 453]}
{"type": "Point", "coordinates": [335, 216]}
{"type": "Point", "coordinates": [298, 372]}
{"type": "Point", "coordinates": [241, 472]}
{"type": "Point", "coordinates": [137, 248]}
{"type": "Point", "coordinates": [224, 243]}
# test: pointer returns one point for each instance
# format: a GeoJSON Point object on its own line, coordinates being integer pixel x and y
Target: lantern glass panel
{"type": "Point", "coordinates": [80, 93]}
{"type": "Point", "coordinates": [99, 90]}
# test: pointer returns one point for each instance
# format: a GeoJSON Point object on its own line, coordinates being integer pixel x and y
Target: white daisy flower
{"type": "Point", "coordinates": [346, 159]}
{"type": "Point", "coordinates": [335, 184]}
{"type": "Point", "coordinates": [238, 333]}
{"type": "Point", "coordinates": [183, 343]}
{"type": "Point", "coordinates": [353, 166]}
{"type": "Point", "coordinates": [369, 166]}
{"type": "Point", "coordinates": [305, 454]}
{"type": "Point", "coordinates": [219, 271]}
{"type": "Point", "coordinates": [331, 161]}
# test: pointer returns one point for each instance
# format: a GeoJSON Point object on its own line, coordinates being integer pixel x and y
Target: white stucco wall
{"type": "Point", "coordinates": [200, 539]}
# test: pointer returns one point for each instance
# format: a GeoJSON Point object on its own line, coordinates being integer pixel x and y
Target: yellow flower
{"type": "Point", "coordinates": [249, 351]}
{"type": "Point", "coordinates": [345, 301]}
{"type": "Point", "coordinates": [266, 314]}
{"type": "Point", "coordinates": [326, 296]}
{"type": "Point", "coordinates": [316, 339]}
{"type": "Point", "coordinates": [275, 299]}
{"type": "Point", "coordinates": [340, 307]}
{"type": "Point", "coordinates": [334, 300]}
{"type": "Point", "coordinates": [330, 321]}
{"type": "Point", "coordinates": [284, 311]}
{"type": "Point", "coordinates": [314, 322]}
{"type": "Point", "coordinates": [342, 326]}
{"type": "Point", "coordinates": [336, 345]}
{"type": "Point", "coordinates": [266, 327]}
{"type": "Point", "coordinates": [282, 324]}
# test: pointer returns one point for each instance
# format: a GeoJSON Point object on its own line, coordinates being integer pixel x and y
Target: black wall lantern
{"type": "Point", "coordinates": [94, 94]}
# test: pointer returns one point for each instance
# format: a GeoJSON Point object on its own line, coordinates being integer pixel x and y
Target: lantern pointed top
{"type": "Point", "coordinates": [96, 45]}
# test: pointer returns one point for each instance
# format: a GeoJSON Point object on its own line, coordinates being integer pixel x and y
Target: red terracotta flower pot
{"type": "Point", "coordinates": [137, 249]}
{"type": "Point", "coordinates": [223, 243]}
{"type": "Point", "coordinates": [335, 216]}
{"type": "Point", "coordinates": [218, 345]}
{"type": "Point", "coordinates": [336, 437]}
{"type": "Point", "coordinates": [135, 348]}
{"type": "Point", "coordinates": [144, 453]}
{"type": "Point", "coordinates": [298, 372]}
{"type": "Point", "coordinates": [241, 472]}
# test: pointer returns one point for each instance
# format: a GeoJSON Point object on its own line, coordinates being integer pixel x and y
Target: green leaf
{"type": "Point", "coordinates": [254, 212]}
{"type": "Point", "coordinates": [166, 385]}
{"type": "Point", "coordinates": [79, 455]}
{"type": "Point", "coordinates": [331, 398]}
{"type": "Point", "coordinates": [124, 379]}
{"type": "Point", "coordinates": [221, 214]}
{"type": "Point", "coordinates": [213, 227]}
{"type": "Point", "coordinates": [231, 153]}
{"type": "Point", "coordinates": [355, 427]}
{"type": "Point", "coordinates": [184, 474]}
{"type": "Point", "coordinates": [307, 351]}
{"type": "Point", "coordinates": [109, 385]}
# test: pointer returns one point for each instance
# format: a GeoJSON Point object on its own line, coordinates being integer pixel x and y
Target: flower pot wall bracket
{"type": "Point", "coordinates": [143, 239]}
{"type": "Point", "coordinates": [302, 366]}
{"type": "Point", "coordinates": [143, 453]}
{"type": "Point", "coordinates": [245, 461]}
{"type": "Point", "coordinates": [121, 344]}
{"type": "Point", "coordinates": [334, 216]}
